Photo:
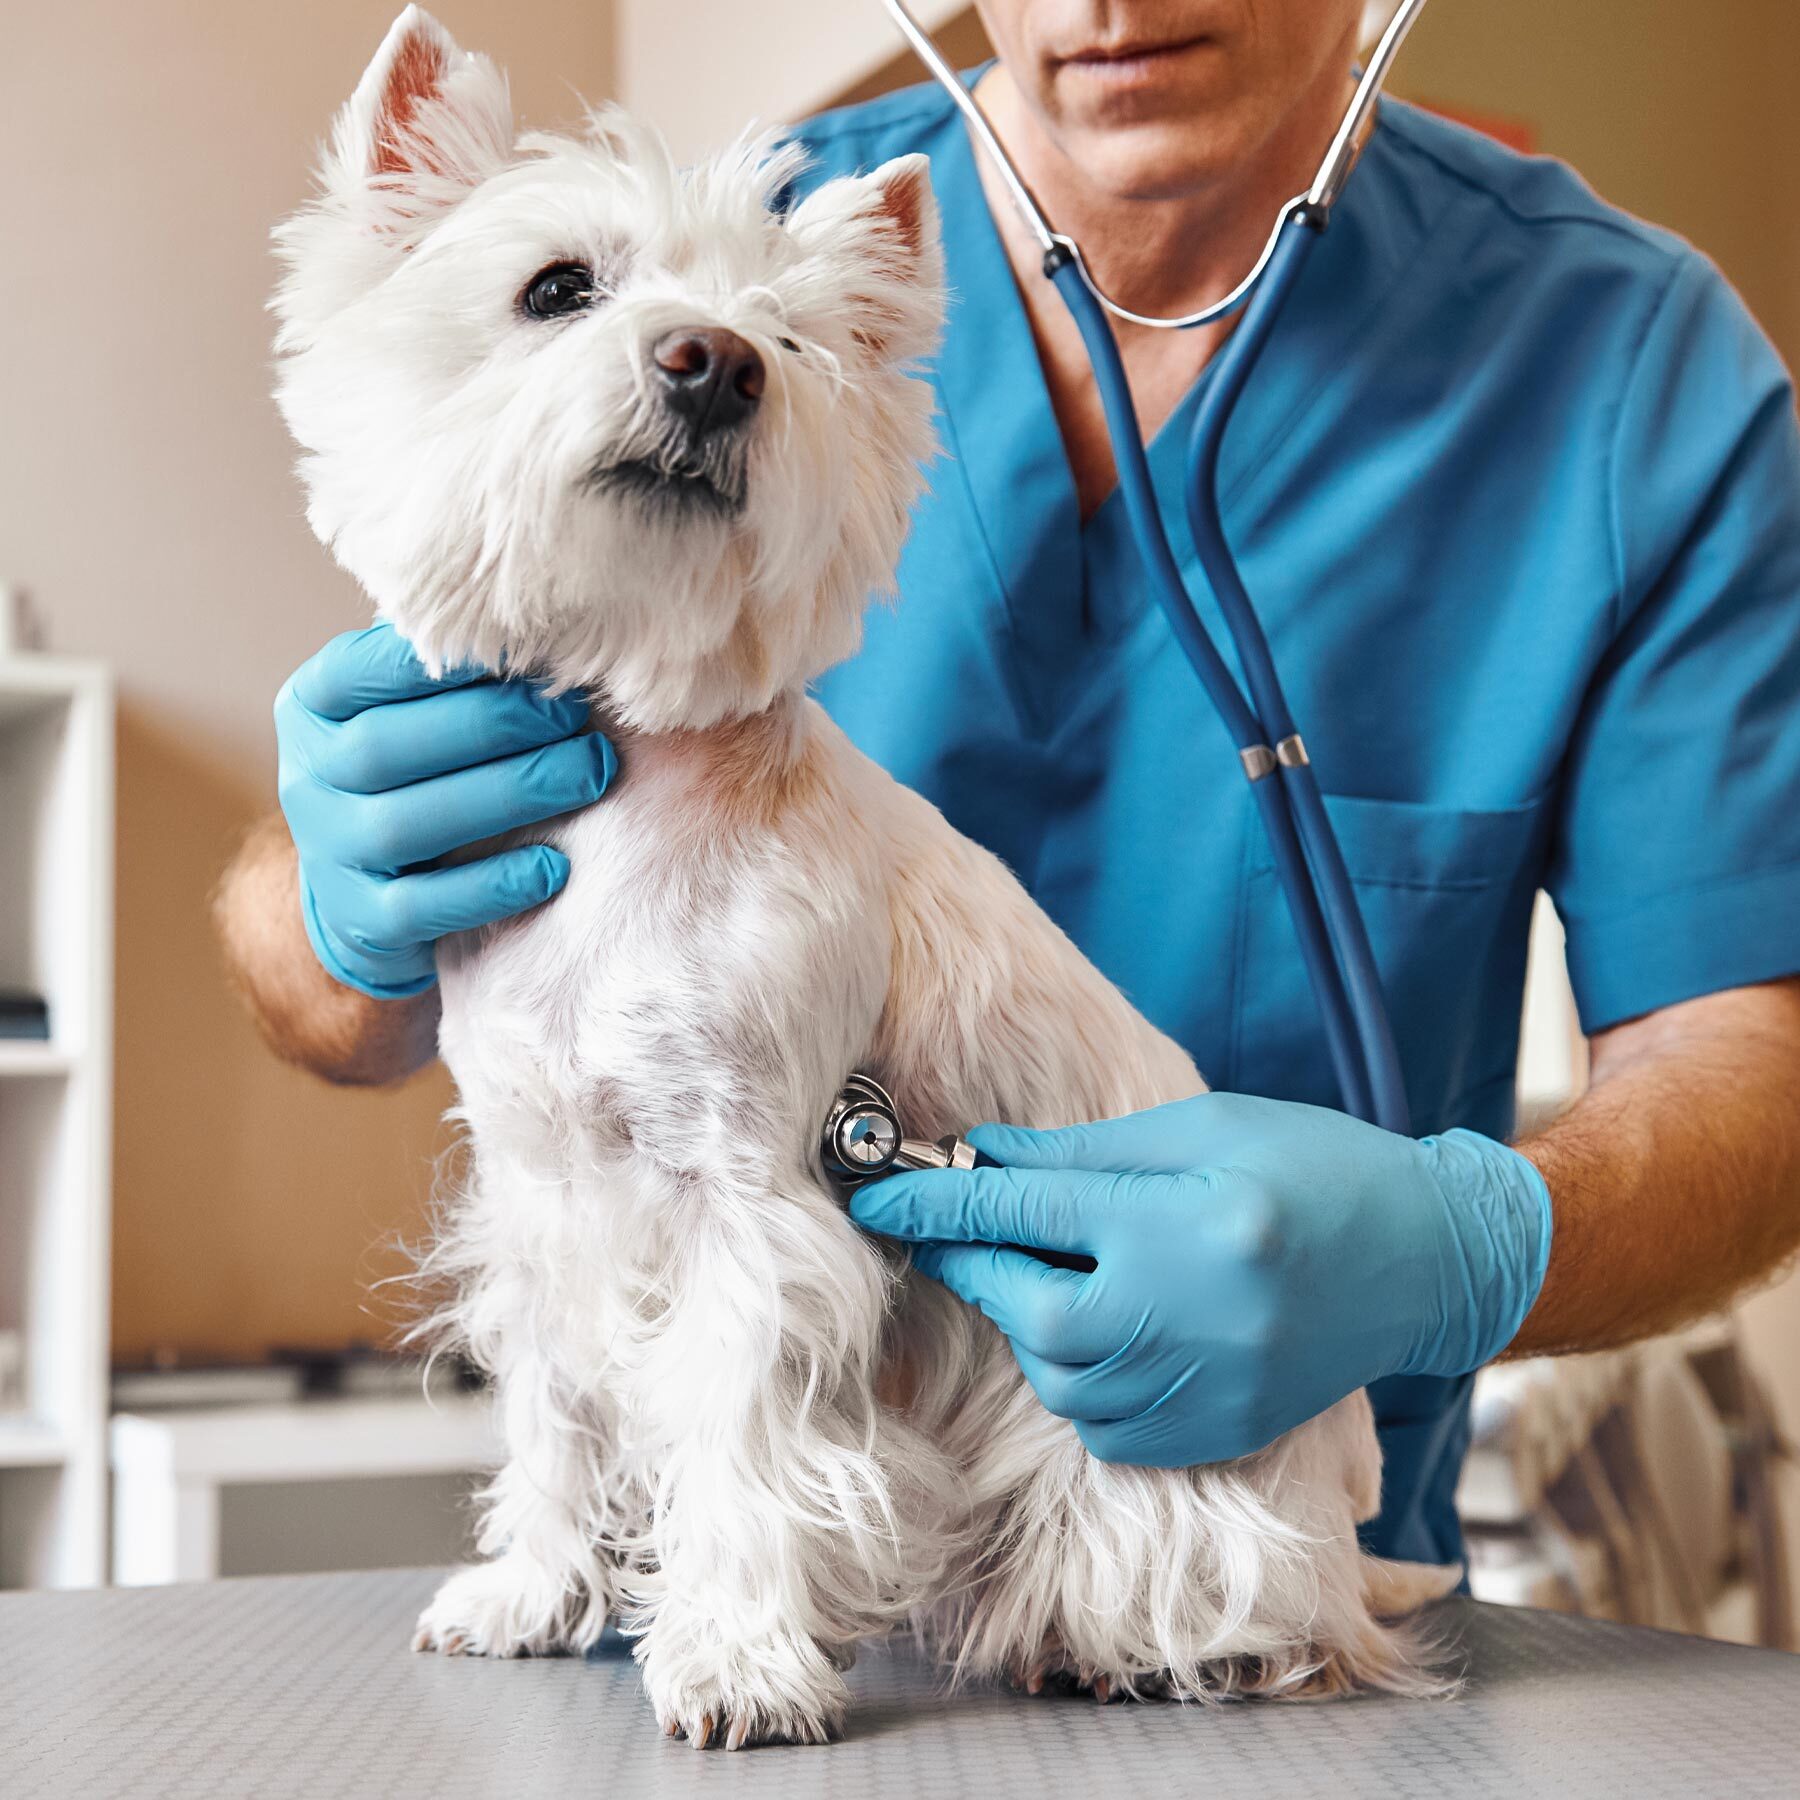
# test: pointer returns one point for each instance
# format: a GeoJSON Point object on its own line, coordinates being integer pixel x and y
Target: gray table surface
{"type": "Point", "coordinates": [306, 1686]}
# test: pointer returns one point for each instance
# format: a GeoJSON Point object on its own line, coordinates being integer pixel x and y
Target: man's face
{"type": "Point", "coordinates": [1158, 98]}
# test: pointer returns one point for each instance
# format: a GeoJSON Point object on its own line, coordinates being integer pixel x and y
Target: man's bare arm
{"type": "Point", "coordinates": [1676, 1178]}
{"type": "Point", "coordinates": [305, 1016]}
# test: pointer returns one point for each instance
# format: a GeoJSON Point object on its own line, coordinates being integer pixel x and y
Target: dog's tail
{"type": "Point", "coordinates": [1395, 1590]}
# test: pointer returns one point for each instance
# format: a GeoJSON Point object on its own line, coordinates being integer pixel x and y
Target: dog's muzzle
{"type": "Point", "coordinates": [715, 485]}
{"type": "Point", "coordinates": [706, 386]}
{"type": "Point", "coordinates": [709, 378]}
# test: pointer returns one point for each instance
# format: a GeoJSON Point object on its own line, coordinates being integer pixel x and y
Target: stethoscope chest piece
{"type": "Point", "coordinates": [862, 1134]}
{"type": "Point", "coordinates": [864, 1140]}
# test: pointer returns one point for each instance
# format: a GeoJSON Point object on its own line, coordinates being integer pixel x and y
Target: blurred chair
{"type": "Point", "coordinates": [1636, 1485]}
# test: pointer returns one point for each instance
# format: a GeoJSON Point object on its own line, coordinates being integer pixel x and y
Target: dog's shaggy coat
{"type": "Point", "coordinates": [736, 1425]}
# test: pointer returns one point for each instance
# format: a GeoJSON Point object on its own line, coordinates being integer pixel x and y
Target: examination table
{"type": "Point", "coordinates": [306, 1686]}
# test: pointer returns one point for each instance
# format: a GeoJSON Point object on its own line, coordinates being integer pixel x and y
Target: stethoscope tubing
{"type": "Point", "coordinates": [1137, 490]}
{"type": "Point", "coordinates": [1327, 184]}
{"type": "Point", "coordinates": [1383, 1096]}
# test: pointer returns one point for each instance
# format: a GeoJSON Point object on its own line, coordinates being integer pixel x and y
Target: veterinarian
{"type": "Point", "coordinates": [1517, 489]}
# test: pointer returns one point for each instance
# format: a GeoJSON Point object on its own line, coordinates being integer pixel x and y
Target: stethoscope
{"type": "Point", "coordinates": [1334, 939]}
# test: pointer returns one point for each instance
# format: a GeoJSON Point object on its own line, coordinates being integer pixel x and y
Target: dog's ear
{"type": "Point", "coordinates": [427, 123]}
{"type": "Point", "coordinates": [885, 226]}
{"type": "Point", "coordinates": [900, 198]}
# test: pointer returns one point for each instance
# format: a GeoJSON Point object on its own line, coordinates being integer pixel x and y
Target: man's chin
{"type": "Point", "coordinates": [1152, 159]}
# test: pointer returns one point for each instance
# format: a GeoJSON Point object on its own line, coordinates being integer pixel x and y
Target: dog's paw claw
{"type": "Point", "coordinates": [775, 1691]}
{"type": "Point", "coordinates": [1050, 1671]}
{"type": "Point", "coordinates": [708, 1733]}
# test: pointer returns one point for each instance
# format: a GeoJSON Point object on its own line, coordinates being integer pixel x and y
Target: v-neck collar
{"type": "Point", "coordinates": [996, 401]}
{"type": "Point", "coordinates": [1002, 432]}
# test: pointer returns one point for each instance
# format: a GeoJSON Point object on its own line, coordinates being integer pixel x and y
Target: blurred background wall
{"type": "Point", "coordinates": [773, 61]}
{"type": "Point", "coordinates": [1681, 113]}
{"type": "Point", "coordinates": [147, 502]}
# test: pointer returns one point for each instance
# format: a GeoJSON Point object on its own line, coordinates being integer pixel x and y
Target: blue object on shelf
{"type": "Point", "coordinates": [24, 1015]}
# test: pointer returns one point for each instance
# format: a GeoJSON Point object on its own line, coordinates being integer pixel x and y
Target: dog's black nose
{"type": "Point", "coordinates": [710, 377]}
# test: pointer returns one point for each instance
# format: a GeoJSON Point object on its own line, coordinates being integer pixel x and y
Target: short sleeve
{"type": "Point", "coordinates": [1676, 859]}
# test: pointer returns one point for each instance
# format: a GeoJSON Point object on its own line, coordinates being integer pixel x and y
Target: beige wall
{"type": "Point", "coordinates": [1682, 112]}
{"type": "Point", "coordinates": [146, 500]}
{"type": "Point", "coordinates": [702, 69]}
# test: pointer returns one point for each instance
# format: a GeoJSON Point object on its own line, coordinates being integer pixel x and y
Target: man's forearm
{"type": "Point", "coordinates": [306, 1017]}
{"type": "Point", "coordinates": [1675, 1180]}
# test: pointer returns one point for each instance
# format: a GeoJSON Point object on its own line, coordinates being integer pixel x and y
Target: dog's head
{"type": "Point", "coordinates": [573, 411]}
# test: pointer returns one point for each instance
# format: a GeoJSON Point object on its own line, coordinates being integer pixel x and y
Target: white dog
{"type": "Point", "coordinates": [573, 411]}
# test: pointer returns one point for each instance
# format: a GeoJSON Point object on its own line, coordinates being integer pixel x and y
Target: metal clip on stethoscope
{"type": "Point", "coordinates": [1334, 940]}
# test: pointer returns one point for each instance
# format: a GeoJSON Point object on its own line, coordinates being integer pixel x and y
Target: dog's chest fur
{"type": "Point", "coordinates": [715, 966]}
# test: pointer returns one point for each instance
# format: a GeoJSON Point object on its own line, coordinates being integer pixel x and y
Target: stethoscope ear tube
{"type": "Point", "coordinates": [1327, 185]}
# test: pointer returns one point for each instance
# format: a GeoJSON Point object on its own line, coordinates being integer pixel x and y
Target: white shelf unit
{"type": "Point", "coordinates": [172, 1471]}
{"type": "Point", "coordinates": [56, 938]}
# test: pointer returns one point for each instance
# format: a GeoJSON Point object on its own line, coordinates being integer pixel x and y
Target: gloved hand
{"type": "Point", "coordinates": [1257, 1260]}
{"type": "Point", "coordinates": [383, 769]}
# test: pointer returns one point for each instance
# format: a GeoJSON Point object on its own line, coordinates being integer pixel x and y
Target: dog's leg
{"type": "Point", "coordinates": [778, 1535]}
{"type": "Point", "coordinates": [549, 1516]}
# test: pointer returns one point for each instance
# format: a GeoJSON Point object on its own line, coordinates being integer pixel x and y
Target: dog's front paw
{"type": "Point", "coordinates": [783, 1689]}
{"type": "Point", "coordinates": [510, 1607]}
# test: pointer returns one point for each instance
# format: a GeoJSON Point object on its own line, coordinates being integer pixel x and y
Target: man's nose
{"type": "Point", "coordinates": [710, 377]}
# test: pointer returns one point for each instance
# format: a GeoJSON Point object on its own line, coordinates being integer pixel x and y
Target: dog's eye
{"type": "Point", "coordinates": [558, 290]}
{"type": "Point", "coordinates": [789, 345]}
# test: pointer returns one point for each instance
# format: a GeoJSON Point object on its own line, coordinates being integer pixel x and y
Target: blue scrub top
{"type": "Point", "coordinates": [1516, 489]}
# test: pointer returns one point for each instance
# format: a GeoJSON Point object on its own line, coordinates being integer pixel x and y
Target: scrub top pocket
{"type": "Point", "coordinates": [1447, 893]}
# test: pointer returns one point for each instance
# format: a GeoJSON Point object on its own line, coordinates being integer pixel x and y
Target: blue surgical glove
{"type": "Point", "coordinates": [384, 770]}
{"type": "Point", "coordinates": [1256, 1261]}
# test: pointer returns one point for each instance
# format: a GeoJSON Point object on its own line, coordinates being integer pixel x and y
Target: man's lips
{"type": "Point", "coordinates": [1126, 59]}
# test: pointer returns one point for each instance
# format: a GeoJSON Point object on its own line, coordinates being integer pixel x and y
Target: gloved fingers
{"type": "Point", "coordinates": [1133, 1442]}
{"type": "Point", "coordinates": [1166, 1140]}
{"type": "Point", "coordinates": [390, 746]}
{"type": "Point", "coordinates": [1077, 1391]}
{"type": "Point", "coordinates": [1179, 1429]}
{"type": "Point", "coordinates": [977, 1206]}
{"type": "Point", "coordinates": [1035, 1305]}
{"type": "Point", "coordinates": [358, 669]}
{"type": "Point", "coordinates": [429, 819]}
{"type": "Point", "coordinates": [358, 961]}
{"type": "Point", "coordinates": [419, 909]}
